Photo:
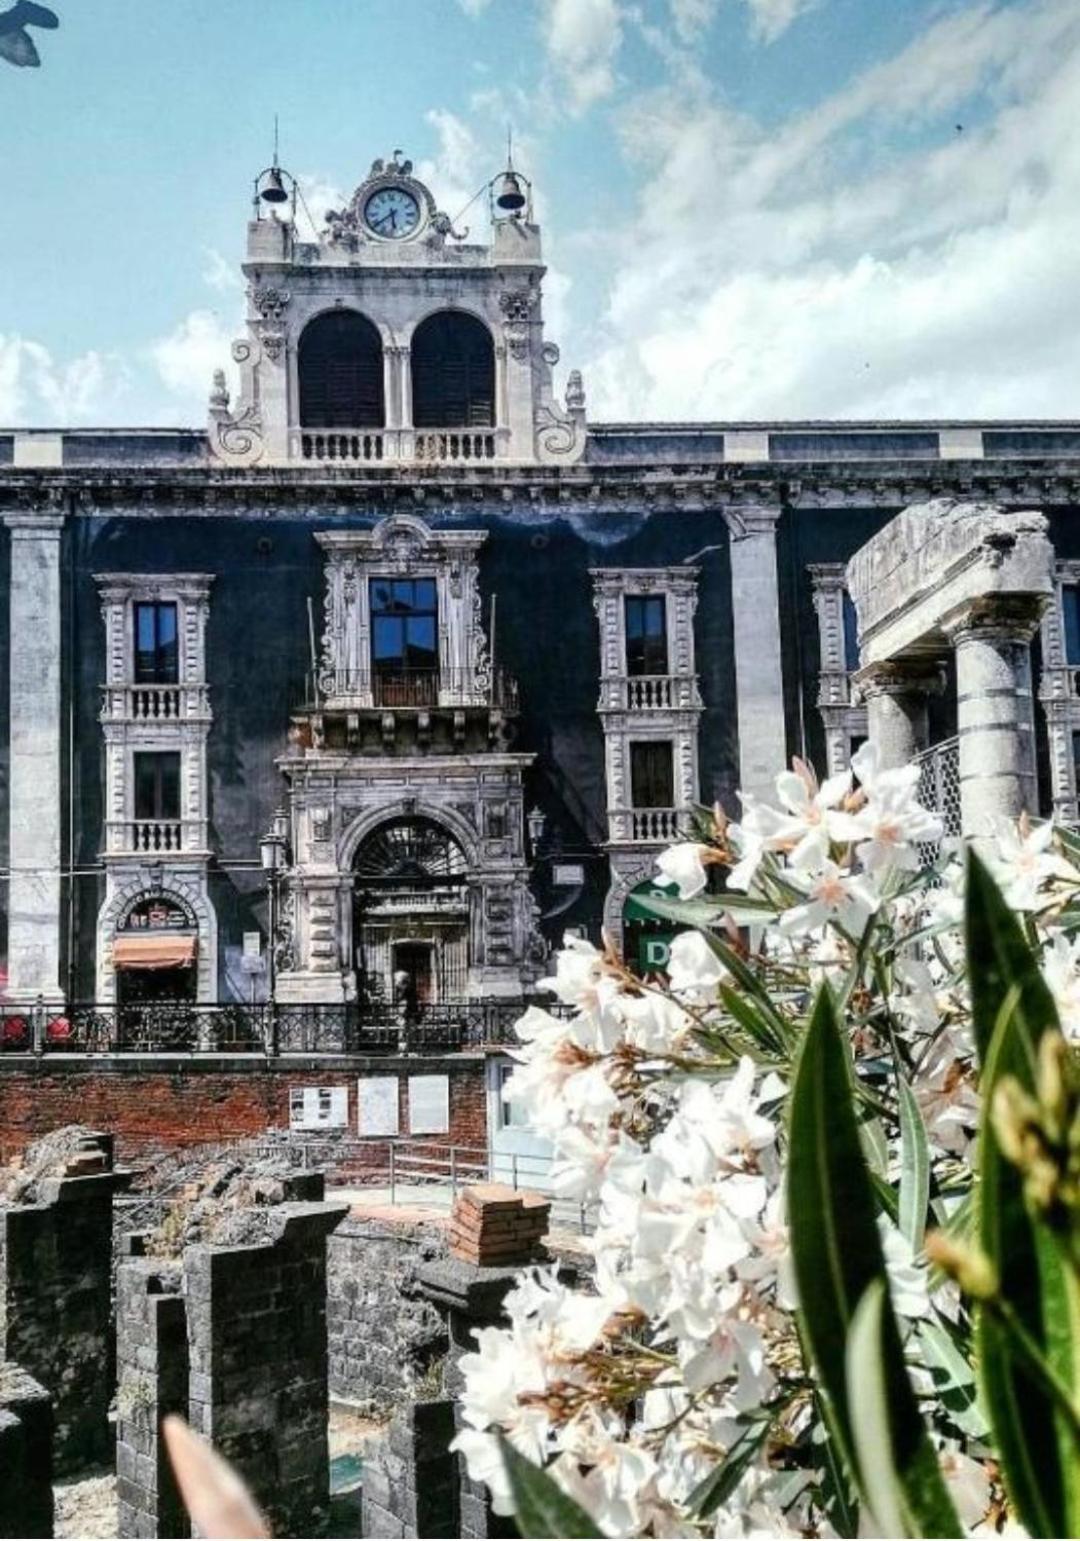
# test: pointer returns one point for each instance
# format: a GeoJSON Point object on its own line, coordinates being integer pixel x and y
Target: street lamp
{"type": "Point", "coordinates": [536, 820]}
{"type": "Point", "coordinates": [272, 849]}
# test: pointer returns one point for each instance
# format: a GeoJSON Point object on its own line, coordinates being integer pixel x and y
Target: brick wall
{"type": "Point", "coordinates": [155, 1104]}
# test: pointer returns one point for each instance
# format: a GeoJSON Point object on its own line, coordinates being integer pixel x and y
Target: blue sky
{"type": "Point", "coordinates": [751, 208]}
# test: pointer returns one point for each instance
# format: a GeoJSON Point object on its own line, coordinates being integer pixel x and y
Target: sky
{"type": "Point", "coordinates": [752, 209]}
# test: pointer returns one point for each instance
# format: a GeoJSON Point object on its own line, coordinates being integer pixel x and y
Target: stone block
{"type": "Point", "coordinates": [26, 1455]}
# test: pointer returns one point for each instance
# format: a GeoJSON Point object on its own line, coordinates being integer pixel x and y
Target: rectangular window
{"type": "Point", "coordinates": [512, 1115]}
{"type": "Point", "coordinates": [646, 634]}
{"type": "Point", "coordinates": [851, 635]}
{"type": "Point", "coordinates": [652, 774]}
{"type": "Point", "coordinates": [157, 655]}
{"type": "Point", "coordinates": [1070, 615]}
{"type": "Point", "coordinates": [157, 785]}
{"type": "Point", "coordinates": [405, 641]}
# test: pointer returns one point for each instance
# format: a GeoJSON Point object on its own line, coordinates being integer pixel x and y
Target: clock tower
{"type": "Point", "coordinates": [394, 338]}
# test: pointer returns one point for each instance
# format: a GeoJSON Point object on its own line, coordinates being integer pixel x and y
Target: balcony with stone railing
{"type": "Point", "coordinates": [374, 446]}
{"type": "Point", "coordinates": [649, 693]}
{"type": "Point", "coordinates": [646, 826]}
{"type": "Point", "coordinates": [155, 703]}
{"type": "Point", "coordinates": [155, 837]}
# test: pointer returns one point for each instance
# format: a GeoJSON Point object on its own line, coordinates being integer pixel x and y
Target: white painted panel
{"type": "Point", "coordinates": [429, 1104]}
{"type": "Point", "coordinates": [377, 1105]}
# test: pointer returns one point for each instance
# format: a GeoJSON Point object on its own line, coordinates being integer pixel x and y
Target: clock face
{"type": "Point", "coordinates": [392, 212]}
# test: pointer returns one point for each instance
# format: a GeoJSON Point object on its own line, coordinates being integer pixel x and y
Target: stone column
{"type": "Point", "coordinates": [994, 709]}
{"type": "Point", "coordinates": [34, 927]}
{"type": "Point", "coordinates": [755, 603]}
{"type": "Point", "coordinates": [897, 696]}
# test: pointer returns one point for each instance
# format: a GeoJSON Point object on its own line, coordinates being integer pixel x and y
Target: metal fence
{"type": "Point", "coordinates": [172, 1027]}
{"type": "Point", "coordinates": [939, 791]}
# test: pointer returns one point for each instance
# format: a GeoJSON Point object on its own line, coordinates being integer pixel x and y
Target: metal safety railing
{"type": "Point", "coordinates": [177, 1027]}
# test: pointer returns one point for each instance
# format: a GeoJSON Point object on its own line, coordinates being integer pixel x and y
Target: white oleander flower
{"type": "Point", "coordinates": [683, 865]}
{"type": "Point", "coordinates": [1061, 970]}
{"type": "Point", "coordinates": [582, 977]}
{"type": "Point", "coordinates": [848, 899]}
{"type": "Point", "coordinates": [1025, 862]}
{"type": "Point", "coordinates": [693, 967]}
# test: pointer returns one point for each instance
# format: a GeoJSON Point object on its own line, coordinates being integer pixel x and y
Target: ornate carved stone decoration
{"type": "Point", "coordinates": [271, 303]}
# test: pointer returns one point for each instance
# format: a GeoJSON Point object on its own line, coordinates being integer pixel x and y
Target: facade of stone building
{"type": "Point", "coordinates": [471, 657]}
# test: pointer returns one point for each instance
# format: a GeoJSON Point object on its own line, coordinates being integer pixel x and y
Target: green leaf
{"type": "Point", "coordinates": [718, 1486]}
{"type": "Point", "coordinates": [953, 1377]}
{"type": "Point", "coordinates": [837, 1256]}
{"type": "Point", "coordinates": [1012, 1008]}
{"type": "Point", "coordinates": [541, 1508]}
{"type": "Point", "coordinates": [914, 1165]}
{"type": "Point", "coordinates": [710, 912]}
{"type": "Point", "coordinates": [901, 1480]}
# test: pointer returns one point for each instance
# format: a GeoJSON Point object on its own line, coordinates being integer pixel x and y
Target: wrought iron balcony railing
{"type": "Point", "coordinates": [415, 689]}
{"type": "Point", "coordinates": [176, 1027]}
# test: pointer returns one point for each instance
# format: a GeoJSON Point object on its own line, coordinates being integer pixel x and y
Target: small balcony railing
{"type": "Point", "coordinates": [154, 703]}
{"type": "Point", "coordinates": [646, 826]}
{"type": "Point", "coordinates": [155, 835]}
{"type": "Point", "coordinates": [371, 446]}
{"type": "Point", "coordinates": [649, 693]}
{"type": "Point", "coordinates": [415, 688]}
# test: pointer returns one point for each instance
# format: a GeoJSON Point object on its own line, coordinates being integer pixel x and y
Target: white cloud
{"type": "Point", "coordinates": [862, 258]}
{"type": "Point", "coordinates": [185, 360]}
{"type": "Point", "coordinates": [318, 194]}
{"type": "Point", "coordinates": [690, 18]}
{"type": "Point", "coordinates": [219, 273]}
{"type": "Point", "coordinates": [769, 18]}
{"type": "Point", "coordinates": [37, 390]}
{"type": "Point", "coordinates": [582, 39]}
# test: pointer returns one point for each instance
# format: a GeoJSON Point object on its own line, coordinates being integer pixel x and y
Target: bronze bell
{"type": "Point", "coordinates": [274, 191]}
{"type": "Point", "coordinates": [510, 197]}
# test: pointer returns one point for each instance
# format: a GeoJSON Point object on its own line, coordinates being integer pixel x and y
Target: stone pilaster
{"type": "Point", "coordinates": [897, 695]}
{"type": "Point", "coordinates": [36, 802]}
{"type": "Point", "coordinates": [755, 604]}
{"type": "Point", "coordinates": [994, 709]}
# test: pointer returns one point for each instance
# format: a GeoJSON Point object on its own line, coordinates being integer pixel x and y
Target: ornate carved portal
{"type": "Point", "coordinates": [408, 865]}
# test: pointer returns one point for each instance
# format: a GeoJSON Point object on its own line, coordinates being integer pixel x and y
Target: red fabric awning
{"type": "Point", "coordinates": [160, 951]}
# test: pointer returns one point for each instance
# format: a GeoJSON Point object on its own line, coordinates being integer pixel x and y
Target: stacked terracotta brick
{"type": "Point", "coordinates": [492, 1226]}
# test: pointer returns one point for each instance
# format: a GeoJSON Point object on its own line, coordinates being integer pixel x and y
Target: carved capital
{"type": "Point", "coordinates": [899, 677]}
{"type": "Point", "coordinates": [1006, 617]}
{"type": "Point", "coordinates": [752, 520]}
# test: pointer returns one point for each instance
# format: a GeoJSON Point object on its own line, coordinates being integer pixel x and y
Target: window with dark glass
{"type": "Point", "coordinates": [157, 657]}
{"type": "Point", "coordinates": [1070, 611]}
{"type": "Point", "coordinates": [652, 775]}
{"type": "Point", "coordinates": [851, 635]}
{"type": "Point", "coordinates": [646, 634]}
{"type": "Point", "coordinates": [157, 785]}
{"type": "Point", "coordinates": [453, 372]}
{"type": "Point", "coordinates": [404, 639]}
{"type": "Point", "coordinates": [340, 371]}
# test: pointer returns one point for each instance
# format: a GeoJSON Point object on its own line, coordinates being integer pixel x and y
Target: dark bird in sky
{"type": "Point", "coordinates": [16, 44]}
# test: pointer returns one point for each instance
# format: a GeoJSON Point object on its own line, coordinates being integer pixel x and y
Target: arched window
{"type": "Point", "coordinates": [410, 853]}
{"type": "Point", "coordinates": [453, 372]}
{"type": "Point", "coordinates": [341, 372]}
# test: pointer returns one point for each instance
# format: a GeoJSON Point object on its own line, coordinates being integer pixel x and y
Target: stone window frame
{"type": "Point", "coordinates": [120, 592]}
{"type": "Point", "coordinates": [403, 546]}
{"type": "Point", "coordinates": [1059, 693]}
{"type": "Point", "coordinates": [129, 730]}
{"type": "Point", "coordinates": [671, 714]}
{"type": "Point", "coordinates": [843, 718]}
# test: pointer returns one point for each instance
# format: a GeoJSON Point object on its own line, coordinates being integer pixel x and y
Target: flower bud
{"type": "Point", "coordinates": [968, 1265]}
{"type": "Point", "coordinates": [1014, 1116]}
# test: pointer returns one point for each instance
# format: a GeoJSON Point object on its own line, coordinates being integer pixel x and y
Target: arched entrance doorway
{"type": "Point", "coordinates": [154, 950]}
{"type": "Point", "coordinates": [410, 915]}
